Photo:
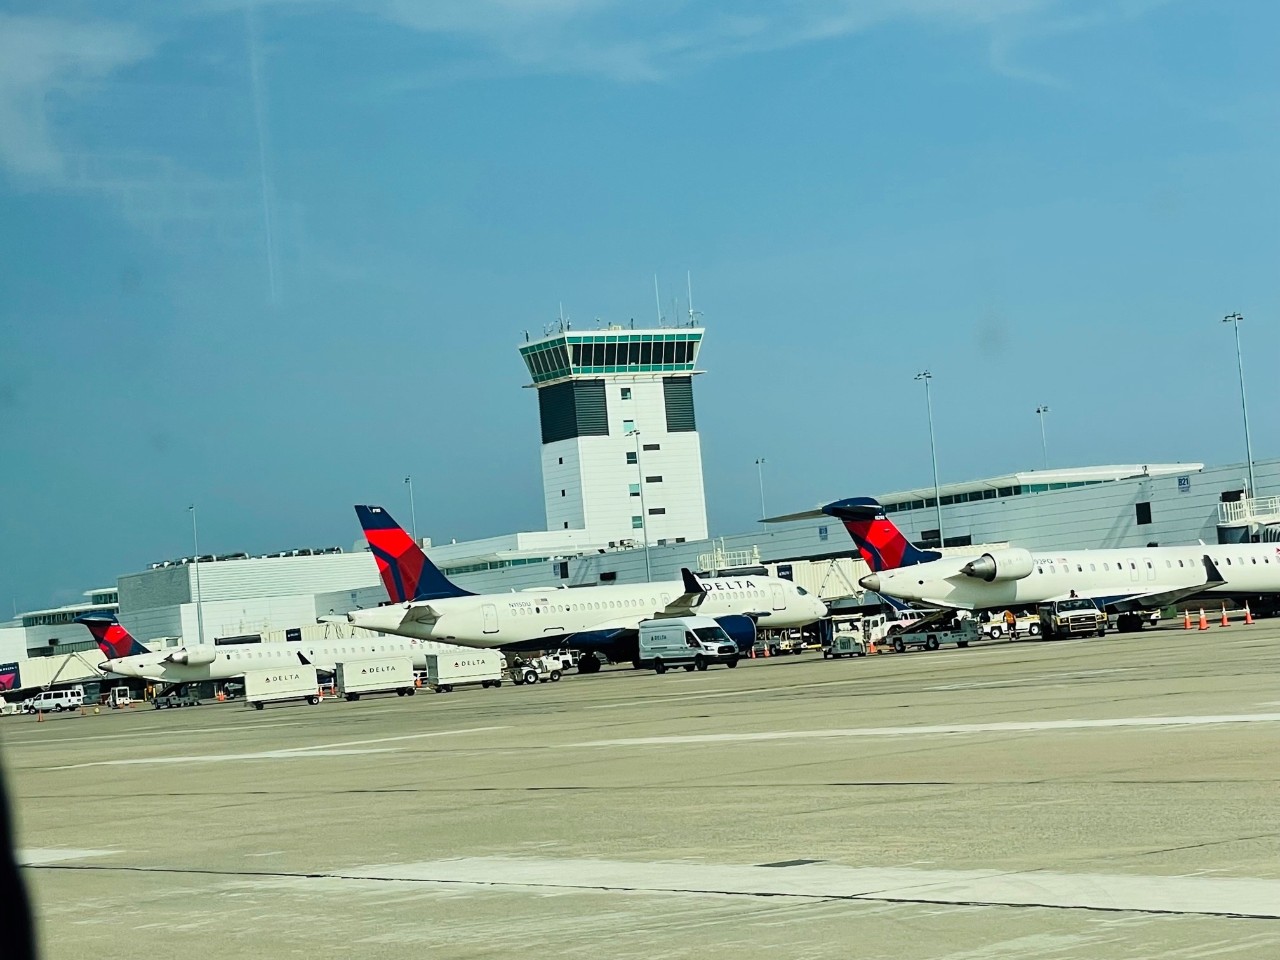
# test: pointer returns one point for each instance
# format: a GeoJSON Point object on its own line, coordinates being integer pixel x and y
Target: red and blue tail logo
{"type": "Point", "coordinates": [113, 640]}
{"type": "Point", "coordinates": [405, 570]}
{"type": "Point", "coordinates": [881, 544]}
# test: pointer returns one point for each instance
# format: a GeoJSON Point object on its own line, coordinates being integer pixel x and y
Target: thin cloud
{"type": "Point", "coordinates": [42, 60]}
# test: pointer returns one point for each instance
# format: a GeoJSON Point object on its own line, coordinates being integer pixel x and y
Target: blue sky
{"type": "Point", "coordinates": [270, 262]}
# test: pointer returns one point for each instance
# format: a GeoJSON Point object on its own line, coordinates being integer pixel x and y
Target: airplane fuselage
{"type": "Point", "coordinates": [1108, 576]}
{"type": "Point", "coordinates": [513, 620]}
{"type": "Point", "coordinates": [225, 662]}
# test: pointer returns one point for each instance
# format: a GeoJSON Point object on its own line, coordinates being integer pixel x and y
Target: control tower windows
{"type": "Point", "coordinates": [631, 457]}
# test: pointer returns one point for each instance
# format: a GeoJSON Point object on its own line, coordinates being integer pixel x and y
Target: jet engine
{"type": "Point", "coordinates": [1011, 564]}
{"type": "Point", "coordinates": [194, 656]}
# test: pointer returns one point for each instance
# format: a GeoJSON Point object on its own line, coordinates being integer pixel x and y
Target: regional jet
{"type": "Point", "coordinates": [427, 605]}
{"type": "Point", "coordinates": [1123, 582]}
{"type": "Point", "coordinates": [127, 657]}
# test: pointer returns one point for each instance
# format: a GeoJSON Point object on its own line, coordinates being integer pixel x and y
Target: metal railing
{"type": "Point", "coordinates": [1248, 509]}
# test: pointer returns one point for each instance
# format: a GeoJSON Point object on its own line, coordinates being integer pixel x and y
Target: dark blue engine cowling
{"type": "Point", "coordinates": [741, 630]}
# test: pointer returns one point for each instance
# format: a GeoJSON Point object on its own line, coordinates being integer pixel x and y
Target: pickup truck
{"type": "Point", "coordinates": [184, 699]}
{"type": "Point", "coordinates": [1074, 617]}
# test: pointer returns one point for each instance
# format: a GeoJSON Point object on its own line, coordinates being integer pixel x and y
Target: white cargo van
{"type": "Point", "coordinates": [375, 676]}
{"type": "Point", "coordinates": [55, 701]}
{"type": "Point", "coordinates": [690, 642]}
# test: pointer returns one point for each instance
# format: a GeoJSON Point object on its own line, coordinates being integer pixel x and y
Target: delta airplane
{"type": "Point", "coordinates": [1123, 582]}
{"type": "Point", "coordinates": [128, 658]}
{"type": "Point", "coordinates": [426, 605]}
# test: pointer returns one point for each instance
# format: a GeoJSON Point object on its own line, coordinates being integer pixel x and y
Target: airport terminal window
{"type": "Point", "coordinates": [657, 511]}
{"type": "Point", "coordinates": [652, 446]}
{"type": "Point", "coordinates": [634, 489]}
{"type": "Point", "coordinates": [626, 393]}
{"type": "Point", "coordinates": [652, 479]}
{"type": "Point", "coordinates": [637, 522]}
{"type": "Point", "coordinates": [1143, 510]}
{"type": "Point", "coordinates": [631, 458]}
{"type": "Point", "coordinates": [628, 426]}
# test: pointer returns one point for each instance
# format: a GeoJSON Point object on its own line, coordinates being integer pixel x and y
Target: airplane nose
{"type": "Point", "coordinates": [870, 582]}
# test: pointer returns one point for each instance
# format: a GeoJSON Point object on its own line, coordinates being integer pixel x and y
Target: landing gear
{"type": "Point", "coordinates": [588, 663]}
{"type": "Point", "coordinates": [1128, 623]}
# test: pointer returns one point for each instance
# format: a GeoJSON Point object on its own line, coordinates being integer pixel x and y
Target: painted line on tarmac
{"type": "Point", "coordinates": [1012, 726]}
{"type": "Point", "coordinates": [1212, 896]}
{"type": "Point", "coordinates": [168, 732]}
{"type": "Point", "coordinates": [1078, 675]}
{"type": "Point", "coordinates": [341, 749]}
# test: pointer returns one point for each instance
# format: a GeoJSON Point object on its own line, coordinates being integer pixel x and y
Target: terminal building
{"type": "Point", "coordinates": [624, 500]}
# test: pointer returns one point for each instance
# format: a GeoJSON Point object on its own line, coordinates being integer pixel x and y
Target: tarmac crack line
{"type": "Point", "coordinates": [868, 897]}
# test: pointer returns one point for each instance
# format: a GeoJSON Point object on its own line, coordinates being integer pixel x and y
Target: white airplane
{"type": "Point", "coordinates": [126, 657]}
{"type": "Point", "coordinates": [1125, 581]}
{"type": "Point", "coordinates": [425, 604]}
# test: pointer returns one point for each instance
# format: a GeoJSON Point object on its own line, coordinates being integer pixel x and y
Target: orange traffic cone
{"type": "Point", "coordinates": [1186, 619]}
{"type": "Point", "coordinates": [766, 650]}
{"type": "Point", "coordinates": [1224, 622]}
{"type": "Point", "coordinates": [871, 647]}
{"type": "Point", "coordinates": [1204, 621]}
{"type": "Point", "coordinates": [753, 651]}
{"type": "Point", "coordinates": [1248, 617]}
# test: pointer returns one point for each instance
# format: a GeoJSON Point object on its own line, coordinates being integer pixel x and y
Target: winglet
{"type": "Point", "coordinates": [692, 586]}
{"type": "Point", "coordinates": [1212, 575]}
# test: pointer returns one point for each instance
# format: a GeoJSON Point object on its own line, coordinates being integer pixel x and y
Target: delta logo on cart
{"type": "Point", "coordinates": [281, 677]}
{"type": "Point", "coordinates": [384, 668]}
{"type": "Point", "coordinates": [468, 663]}
{"type": "Point", "coordinates": [9, 676]}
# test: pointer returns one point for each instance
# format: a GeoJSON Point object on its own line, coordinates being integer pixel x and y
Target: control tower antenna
{"type": "Point", "coordinates": [657, 299]}
{"type": "Point", "coordinates": [688, 276]}
{"type": "Point", "coordinates": [562, 324]}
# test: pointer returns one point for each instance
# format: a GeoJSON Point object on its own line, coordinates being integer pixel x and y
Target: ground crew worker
{"type": "Point", "coordinates": [1011, 624]}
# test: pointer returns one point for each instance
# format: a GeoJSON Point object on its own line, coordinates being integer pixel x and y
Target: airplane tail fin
{"type": "Point", "coordinates": [881, 543]}
{"type": "Point", "coordinates": [405, 569]}
{"type": "Point", "coordinates": [113, 640]}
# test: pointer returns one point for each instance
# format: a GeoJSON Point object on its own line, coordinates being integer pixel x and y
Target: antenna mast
{"type": "Point", "coordinates": [657, 299]}
{"type": "Point", "coordinates": [688, 276]}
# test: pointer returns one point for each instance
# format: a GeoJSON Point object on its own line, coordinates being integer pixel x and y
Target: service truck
{"type": "Point", "coordinates": [690, 642]}
{"type": "Point", "coordinates": [464, 668]}
{"type": "Point", "coordinates": [1072, 617]}
{"type": "Point", "coordinates": [381, 675]}
{"type": "Point", "coordinates": [282, 683]}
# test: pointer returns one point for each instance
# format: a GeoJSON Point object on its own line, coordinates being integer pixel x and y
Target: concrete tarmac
{"type": "Point", "coordinates": [1112, 798]}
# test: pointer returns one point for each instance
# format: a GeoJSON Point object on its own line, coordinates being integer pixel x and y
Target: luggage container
{"type": "Point", "coordinates": [284, 683]}
{"type": "Point", "coordinates": [382, 675]}
{"type": "Point", "coordinates": [448, 670]}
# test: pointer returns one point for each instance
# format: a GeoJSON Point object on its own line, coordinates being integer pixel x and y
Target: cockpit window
{"type": "Point", "coordinates": [802, 591]}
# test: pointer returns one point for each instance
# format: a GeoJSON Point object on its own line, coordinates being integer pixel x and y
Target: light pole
{"type": "Point", "coordinates": [1235, 318]}
{"type": "Point", "coordinates": [413, 511]}
{"type": "Point", "coordinates": [195, 539]}
{"type": "Point", "coordinates": [1044, 446]}
{"type": "Point", "coordinates": [644, 516]}
{"type": "Point", "coordinates": [760, 462]}
{"type": "Point", "coordinates": [926, 376]}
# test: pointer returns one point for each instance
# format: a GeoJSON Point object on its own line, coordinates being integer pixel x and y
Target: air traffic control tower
{"type": "Point", "coordinates": [621, 457]}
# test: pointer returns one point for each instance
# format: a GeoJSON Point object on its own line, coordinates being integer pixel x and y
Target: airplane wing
{"type": "Point", "coordinates": [687, 604]}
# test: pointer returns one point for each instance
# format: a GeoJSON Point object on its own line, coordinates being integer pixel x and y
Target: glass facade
{"type": "Point", "coordinates": [986, 494]}
{"type": "Point", "coordinates": [614, 352]}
